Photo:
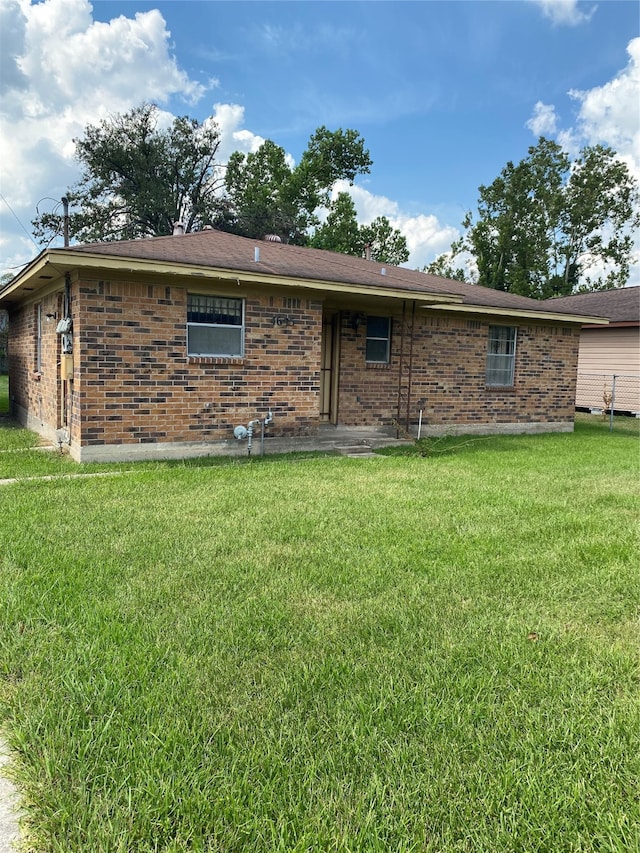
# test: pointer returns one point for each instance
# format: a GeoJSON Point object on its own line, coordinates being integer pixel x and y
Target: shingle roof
{"type": "Point", "coordinates": [229, 256]}
{"type": "Point", "coordinates": [227, 251]}
{"type": "Point", "coordinates": [621, 305]}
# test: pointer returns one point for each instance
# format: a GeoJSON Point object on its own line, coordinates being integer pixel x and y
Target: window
{"type": "Point", "coordinates": [215, 326]}
{"type": "Point", "coordinates": [378, 338]}
{"type": "Point", "coordinates": [501, 356]}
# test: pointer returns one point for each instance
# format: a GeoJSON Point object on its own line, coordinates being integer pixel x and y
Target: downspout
{"type": "Point", "coordinates": [67, 350]}
{"type": "Point", "coordinates": [400, 368]}
{"type": "Point", "coordinates": [410, 376]}
{"type": "Point", "coordinates": [66, 332]}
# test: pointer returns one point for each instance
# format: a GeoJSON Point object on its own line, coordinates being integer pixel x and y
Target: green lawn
{"type": "Point", "coordinates": [402, 653]}
{"type": "Point", "coordinates": [4, 394]}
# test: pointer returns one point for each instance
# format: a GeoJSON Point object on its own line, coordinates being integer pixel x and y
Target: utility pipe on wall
{"type": "Point", "coordinates": [241, 432]}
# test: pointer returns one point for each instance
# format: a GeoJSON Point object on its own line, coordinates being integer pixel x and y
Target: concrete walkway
{"type": "Point", "coordinates": [9, 807]}
{"type": "Point", "coordinates": [348, 440]}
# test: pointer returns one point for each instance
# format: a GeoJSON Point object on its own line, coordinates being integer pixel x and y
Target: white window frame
{"type": "Point", "coordinates": [386, 338]}
{"type": "Point", "coordinates": [213, 298]}
{"type": "Point", "coordinates": [501, 356]}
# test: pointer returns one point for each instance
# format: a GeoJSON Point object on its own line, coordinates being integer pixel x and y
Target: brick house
{"type": "Point", "coordinates": [160, 347]}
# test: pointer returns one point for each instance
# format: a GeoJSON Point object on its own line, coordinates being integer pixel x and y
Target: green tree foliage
{"type": "Point", "coordinates": [5, 279]}
{"type": "Point", "coordinates": [341, 233]}
{"type": "Point", "coordinates": [443, 266]}
{"type": "Point", "coordinates": [383, 243]}
{"type": "Point", "coordinates": [138, 179]}
{"type": "Point", "coordinates": [267, 195]}
{"type": "Point", "coordinates": [550, 226]}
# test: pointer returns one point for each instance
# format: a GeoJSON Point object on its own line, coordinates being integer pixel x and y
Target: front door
{"type": "Point", "coordinates": [328, 369]}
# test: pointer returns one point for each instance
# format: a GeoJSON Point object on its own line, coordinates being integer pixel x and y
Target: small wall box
{"type": "Point", "coordinates": [66, 366]}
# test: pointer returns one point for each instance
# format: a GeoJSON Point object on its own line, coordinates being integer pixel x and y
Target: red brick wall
{"type": "Point", "coordinates": [138, 384]}
{"type": "Point", "coordinates": [34, 393]}
{"type": "Point", "coordinates": [448, 365]}
{"type": "Point", "coordinates": [135, 384]}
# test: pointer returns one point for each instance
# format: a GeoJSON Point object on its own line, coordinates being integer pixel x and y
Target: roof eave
{"type": "Point", "coordinates": [86, 260]}
{"type": "Point", "coordinates": [519, 313]}
{"type": "Point", "coordinates": [615, 324]}
{"type": "Point", "coordinates": [17, 284]}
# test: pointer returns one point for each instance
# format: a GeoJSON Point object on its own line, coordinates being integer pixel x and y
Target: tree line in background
{"type": "Point", "coordinates": [550, 225]}
{"type": "Point", "coordinates": [138, 179]}
{"type": "Point", "coordinates": [541, 228]}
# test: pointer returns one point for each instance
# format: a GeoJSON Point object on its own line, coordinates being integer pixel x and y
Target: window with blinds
{"type": "Point", "coordinates": [501, 355]}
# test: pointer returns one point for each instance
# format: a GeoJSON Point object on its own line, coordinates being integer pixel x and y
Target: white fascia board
{"type": "Point", "coordinates": [59, 258]}
{"type": "Point", "coordinates": [519, 313]}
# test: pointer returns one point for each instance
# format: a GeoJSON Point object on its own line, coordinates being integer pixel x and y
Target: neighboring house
{"type": "Point", "coordinates": [607, 351]}
{"type": "Point", "coordinates": [160, 347]}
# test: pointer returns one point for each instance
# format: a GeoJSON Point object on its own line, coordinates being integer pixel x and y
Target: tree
{"type": "Point", "coordinates": [383, 243]}
{"type": "Point", "coordinates": [549, 226]}
{"type": "Point", "coordinates": [269, 196]}
{"type": "Point", "coordinates": [601, 211]}
{"type": "Point", "coordinates": [264, 197]}
{"type": "Point", "coordinates": [138, 179]}
{"type": "Point", "coordinates": [341, 233]}
{"type": "Point", "coordinates": [443, 266]}
{"type": "Point", "coordinates": [5, 278]}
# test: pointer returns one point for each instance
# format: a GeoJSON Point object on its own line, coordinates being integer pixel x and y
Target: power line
{"type": "Point", "coordinates": [17, 218]}
{"type": "Point", "coordinates": [16, 266]}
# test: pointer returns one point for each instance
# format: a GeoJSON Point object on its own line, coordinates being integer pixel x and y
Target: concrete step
{"type": "Point", "coordinates": [359, 450]}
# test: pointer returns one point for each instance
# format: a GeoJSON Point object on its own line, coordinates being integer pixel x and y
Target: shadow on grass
{"type": "Point", "coordinates": [4, 395]}
{"type": "Point", "coordinates": [585, 426]}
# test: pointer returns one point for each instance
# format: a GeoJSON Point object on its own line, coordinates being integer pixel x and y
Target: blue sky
{"type": "Point", "coordinates": [444, 93]}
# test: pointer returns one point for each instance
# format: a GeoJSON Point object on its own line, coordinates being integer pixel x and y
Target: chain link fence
{"type": "Point", "coordinates": [608, 394]}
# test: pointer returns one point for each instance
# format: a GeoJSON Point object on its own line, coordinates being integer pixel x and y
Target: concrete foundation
{"type": "Point", "coordinates": [328, 439]}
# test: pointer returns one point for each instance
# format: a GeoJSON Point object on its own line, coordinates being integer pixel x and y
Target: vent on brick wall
{"type": "Point", "coordinates": [474, 324]}
{"type": "Point", "coordinates": [290, 302]}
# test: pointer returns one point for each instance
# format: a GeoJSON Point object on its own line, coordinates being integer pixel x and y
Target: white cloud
{"type": "Point", "coordinates": [610, 114]}
{"type": "Point", "coordinates": [233, 137]}
{"type": "Point", "coordinates": [61, 70]}
{"type": "Point", "coordinates": [70, 56]}
{"type": "Point", "coordinates": [566, 12]}
{"type": "Point", "coordinates": [543, 120]}
{"type": "Point", "coordinates": [607, 115]}
{"type": "Point", "coordinates": [426, 236]}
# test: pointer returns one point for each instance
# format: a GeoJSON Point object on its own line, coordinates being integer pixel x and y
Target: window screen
{"type": "Point", "coordinates": [215, 326]}
{"type": "Point", "coordinates": [501, 355]}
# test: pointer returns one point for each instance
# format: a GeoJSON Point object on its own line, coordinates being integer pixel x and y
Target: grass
{"type": "Point", "coordinates": [328, 654]}
{"type": "Point", "coordinates": [4, 394]}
